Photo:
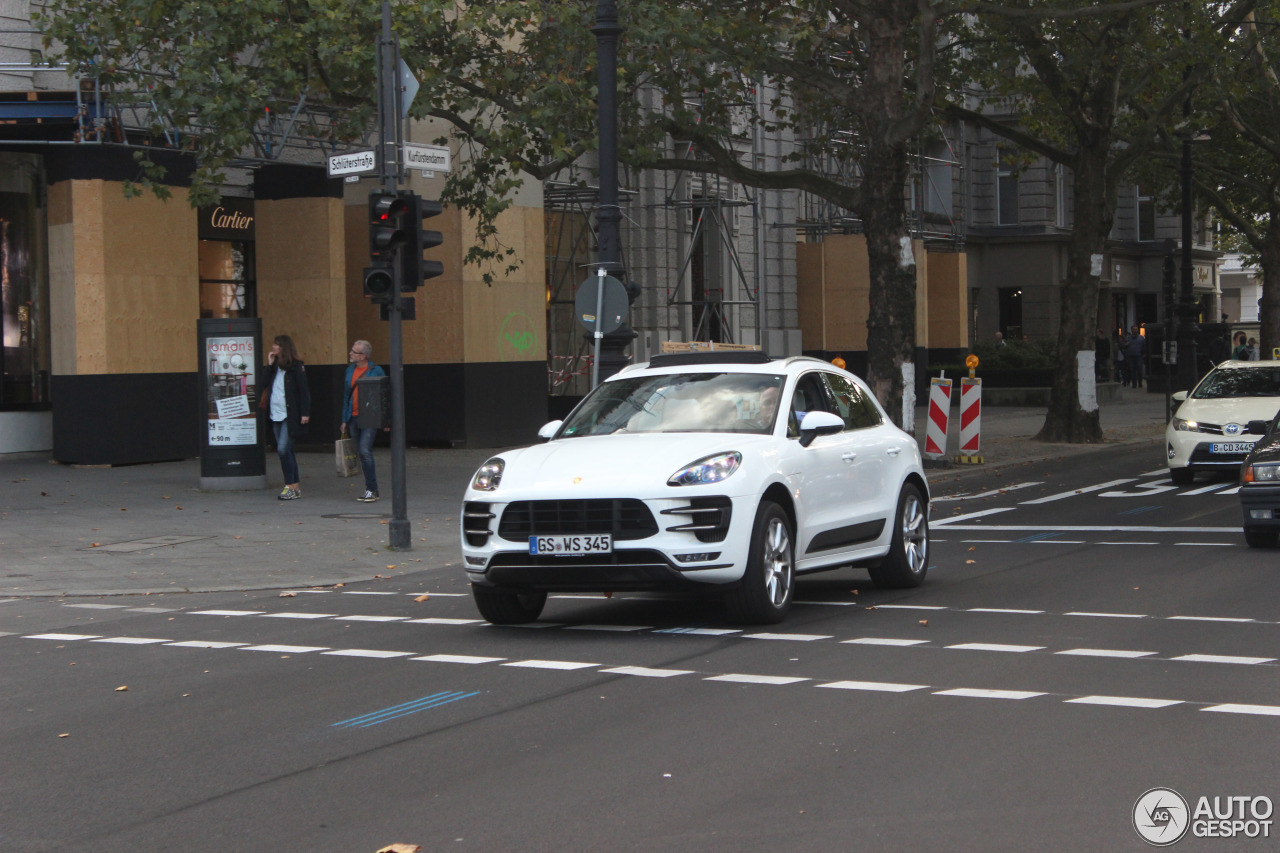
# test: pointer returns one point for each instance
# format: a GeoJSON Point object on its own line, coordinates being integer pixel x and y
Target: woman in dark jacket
{"type": "Point", "coordinates": [287, 401]}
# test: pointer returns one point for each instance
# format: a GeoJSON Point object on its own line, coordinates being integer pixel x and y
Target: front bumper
{"type": "Point", "coordinates": [1194, 450]}
{"type": "Point", "coordinates": [1261, 505]}
{"type": "Point", "coordinates": [658, 544]}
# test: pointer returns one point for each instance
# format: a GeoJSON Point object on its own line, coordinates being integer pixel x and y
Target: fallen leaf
{"type": "Point", "coordinates": [401, 848]}
{"type": "Point", "coordinates": [96, 545]}
{"type": "Point", "coordinates": [970, 562]}
{"type": "Point", "coordinates": [122, 688]}
{"type": "Point", "coordinates": [854, 591]}
{"type": "Point", "coordinates": [336, 585]}
{"type": "Point", "coordinates": [177, 507]}
{"type": "Point", "coordinates": [973, 548]}
{"type": "Point", "coordinates": [288, 595]}
{"type": "Point", "coordinates": [608, 595]}
{"type": "Point", "coordinates": [924, 622]}
{"type": "Point", "coordinates": [239, 537]}
{"type": "Point", "coordinates": [65, 734]}
{"type": "Point", "coordinates": [423, 597]}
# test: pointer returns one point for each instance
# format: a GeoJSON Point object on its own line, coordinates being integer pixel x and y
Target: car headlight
{"type": "Point", "coordinates": [489, 475]}
{"type": "Point", "coordinates": [1268, 473]}
{"type": "Point", "coordinates": [710, 469]}
{"type": "Point", "coordinates": [1181, 425]}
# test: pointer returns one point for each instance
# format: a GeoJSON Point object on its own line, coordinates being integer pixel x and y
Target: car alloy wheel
{"type": "Point", "coordinates": [908, 559]}
{"type": "Point", "coordinates": [764, 594]}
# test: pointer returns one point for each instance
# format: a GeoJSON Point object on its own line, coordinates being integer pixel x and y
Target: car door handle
{"type": "Point", "coordinates": [894, 451]}
{"type": "Point", "coordinates": [849, 457]}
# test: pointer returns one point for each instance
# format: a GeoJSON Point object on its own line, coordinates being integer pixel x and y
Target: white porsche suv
{"type": "Point", "coordinates": [730, 472]}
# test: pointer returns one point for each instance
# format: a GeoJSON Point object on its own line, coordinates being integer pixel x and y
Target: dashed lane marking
{"type": "Point", "coordinates": [877, 686]}
{"type": "Point", "coordinates": [441, 620]}
{"type": "Point", "coordinates": [977, 693]}
{"type": "Point", "coordinates": [737, 678]}
{"type": "Point", "coordinates": [1073, 492]}
{"type": "Point", "coordinates": [98, 606]}
{"type": "Point", "coordinates": [1248, 661]}
{"type": "Point", "coordinates": [1105, 653]}
{"type": "Point", "coordinates": [646, 672]}
{"type": "Point", "coordinates": [299, 614]}
{"type": "Point", "coordinates": [1107, 615]}
{"type": "Point", "coordinates": [1124, 701]}
{"type": "Point", "coordinates": [621, 629]}
{"type": "Point", "coordinates": [996, 647]}
{"type": "Point", "coordinates": [550, 664]}
{"type": "Point", "coordinates": [883, 641]}
{"type": "Point", "coordinates": [227, 612]}
{"type": "Point", "coordinates": [740, 678]}
{"type": "Point", "coordinates": [130, 641]}
{"type": "Point", "coordinates": [797, 638]}
{"type": "Point", "coordinates": [468, 659]}
{"type": "Point", "coordinates": [371, 618]}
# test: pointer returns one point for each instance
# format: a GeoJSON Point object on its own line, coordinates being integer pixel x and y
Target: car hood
{"type": "Point", "coordinates": [1266, 450]}
{"type": "Point", "coordinates": [1239, 410]}
{"type": "Point", "coordinates": [626, 465]}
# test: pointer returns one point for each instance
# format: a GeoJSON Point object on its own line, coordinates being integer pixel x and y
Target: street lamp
{"type": "Point", "coordinates": [608, 216]}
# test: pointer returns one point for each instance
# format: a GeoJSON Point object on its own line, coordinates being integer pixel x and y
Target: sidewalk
{"type": "Point", "coordinates": [148, 529]}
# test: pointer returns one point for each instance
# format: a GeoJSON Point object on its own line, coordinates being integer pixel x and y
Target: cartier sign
{"type": "Point", "coordinates": [229, 219]}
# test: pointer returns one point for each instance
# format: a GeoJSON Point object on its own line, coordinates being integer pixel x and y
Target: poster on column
{"type": "Point", "coordinates": [232, 391]}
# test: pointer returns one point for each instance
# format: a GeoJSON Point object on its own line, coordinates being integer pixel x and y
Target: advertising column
{"type": "Point", "coordinates": [231, 443]}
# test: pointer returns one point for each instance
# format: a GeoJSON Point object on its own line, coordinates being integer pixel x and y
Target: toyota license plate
{"type": "Point", "coordinates": [571, 546]}
{"type": "Point", "coordinates": [1231, 447]}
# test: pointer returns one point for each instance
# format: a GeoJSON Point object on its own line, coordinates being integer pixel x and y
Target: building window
{"type": "Point", "coordinates": [1006, 189]}
{"type": "Point", "coordinates": [1146, 215]}
{"type": "Point", "coordinates": [1011, 313]}
{"type": "Point", "coordinates": [24, 284]}
{"type": "Point", "coordinates": [227, 285]}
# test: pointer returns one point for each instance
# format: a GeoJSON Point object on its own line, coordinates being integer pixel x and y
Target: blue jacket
{"type": "Point", "coordinates": [374, 370]}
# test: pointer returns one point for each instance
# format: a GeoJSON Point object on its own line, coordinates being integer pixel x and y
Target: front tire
{"type": "Point", "coordinates": [763, 596]}
{"type": "Point", "coordinates": [508, 608]}
{"type": "Point", "coordinates": [1260, 537]}
{"type": "Point", "coordinates": [908, 560]}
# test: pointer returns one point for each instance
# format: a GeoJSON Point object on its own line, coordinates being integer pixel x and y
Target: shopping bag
{"type": "Point", "coordinates": [345, 459]}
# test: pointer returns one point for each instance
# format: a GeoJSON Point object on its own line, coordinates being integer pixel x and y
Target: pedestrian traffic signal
{"type": "Point", "coordinates": [379, 282]}
{"type": "Point", "coordinates": [388, 221]}
{"type": "Point", "coordinates": [417, 269]}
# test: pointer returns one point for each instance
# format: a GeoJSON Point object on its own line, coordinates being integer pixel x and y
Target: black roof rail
{"type": "Point", "coordinates": [679, 359]}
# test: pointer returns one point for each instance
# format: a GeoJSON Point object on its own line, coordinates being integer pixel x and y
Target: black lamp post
{"type": "Point", "coordinates": [1188, 372]}
{"type": "Point", "coordinates": [608, 215]}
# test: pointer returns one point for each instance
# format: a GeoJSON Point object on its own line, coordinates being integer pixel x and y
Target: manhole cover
{"type": "Point", "coordinates": [357, 515]}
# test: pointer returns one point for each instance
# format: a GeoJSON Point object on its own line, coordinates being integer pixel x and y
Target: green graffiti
{"type": "Point", "coordinates": [516, 337]}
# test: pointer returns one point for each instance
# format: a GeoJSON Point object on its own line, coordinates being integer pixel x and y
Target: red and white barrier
{"type": "Point", "coordinates": [970, 420]}
{"type": "Point", "coordinates": [935, 438]}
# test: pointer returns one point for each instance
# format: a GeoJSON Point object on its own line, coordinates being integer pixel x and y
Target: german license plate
{"type": "Point", "coordinates": [570, 546]}
{"type": "Point", "coordinates": [1231, 447]}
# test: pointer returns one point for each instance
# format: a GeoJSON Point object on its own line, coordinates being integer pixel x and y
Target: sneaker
{"type": "Point", "coordinates": [368, 497]}
{"type": "Point", "coordinates": [288, 494]}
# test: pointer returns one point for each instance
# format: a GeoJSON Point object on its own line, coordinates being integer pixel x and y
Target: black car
{"type": "Point", "coordinates": [1260, 485]}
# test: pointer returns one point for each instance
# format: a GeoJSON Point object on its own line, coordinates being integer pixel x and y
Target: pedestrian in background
{"type": "Point", "coordinates": [1251, 350]}
{"type": "Point", "coordinates": [1135, 354]}
{"type": "Point", "coordinates": [1241, 341]}
{"type": "Point", "coordinates": [287, 401]}
{"type": "Point", "coordinates": [359, 368]}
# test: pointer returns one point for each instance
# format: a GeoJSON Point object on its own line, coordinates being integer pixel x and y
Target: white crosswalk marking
{"type": "Point", "coordinates": [988, 694]}
{"type": "Point", "coordinates": [879, 686]}
{"type": "Point", "coordinates": [1124, 701]}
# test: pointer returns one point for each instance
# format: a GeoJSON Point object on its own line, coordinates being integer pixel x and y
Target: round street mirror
{"type": "Point", "coordinates": [604, 294]}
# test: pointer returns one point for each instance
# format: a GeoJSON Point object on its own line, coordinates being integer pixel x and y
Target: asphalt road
{"type": "Point", "coordinates": [1088, 632]}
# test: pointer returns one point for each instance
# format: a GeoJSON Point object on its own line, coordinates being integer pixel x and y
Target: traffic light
{"type": "Point", "coordinates": [414, 267]}
{"type": "Point", "coordinates": [388, 223]}
{"type": "Point", "coordinates": [379, 282]}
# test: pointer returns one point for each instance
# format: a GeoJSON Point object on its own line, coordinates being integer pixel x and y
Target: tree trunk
{"type": "Point", "coordinates": [1066, 419]}
{"type": "Point", "coordinates": [891, 321]}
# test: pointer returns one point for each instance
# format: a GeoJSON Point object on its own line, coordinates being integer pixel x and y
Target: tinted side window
{"type": "Point", "coordinates": [852, 403]}
{"type": "Point", "coordinates": [810, 396]}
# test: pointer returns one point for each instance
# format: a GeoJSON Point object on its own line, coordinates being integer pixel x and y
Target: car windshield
{"type": "Point", "coordinates": [681, 402]}
{"type": "Point", "coordinates": [1239, 382]}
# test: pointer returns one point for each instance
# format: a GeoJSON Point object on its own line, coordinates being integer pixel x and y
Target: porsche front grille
{"type": "Point", "coordinates": [625, 518]}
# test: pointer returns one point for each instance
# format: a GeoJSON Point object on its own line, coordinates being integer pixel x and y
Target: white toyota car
{"type": "Point", "coordinates": [1209, 429]}
{"type": "Point", "coordinates": [728, 471]}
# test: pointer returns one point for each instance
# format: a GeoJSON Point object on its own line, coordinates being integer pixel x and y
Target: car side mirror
{"type": "Point", "coordinates": [1257, 427]}
{"type": "Point", "coordinates": [548, 430]}
{"type": "Point", "coordinates": [819, 423]}
{"type": "Point", "coordinates": [1180, 396]}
